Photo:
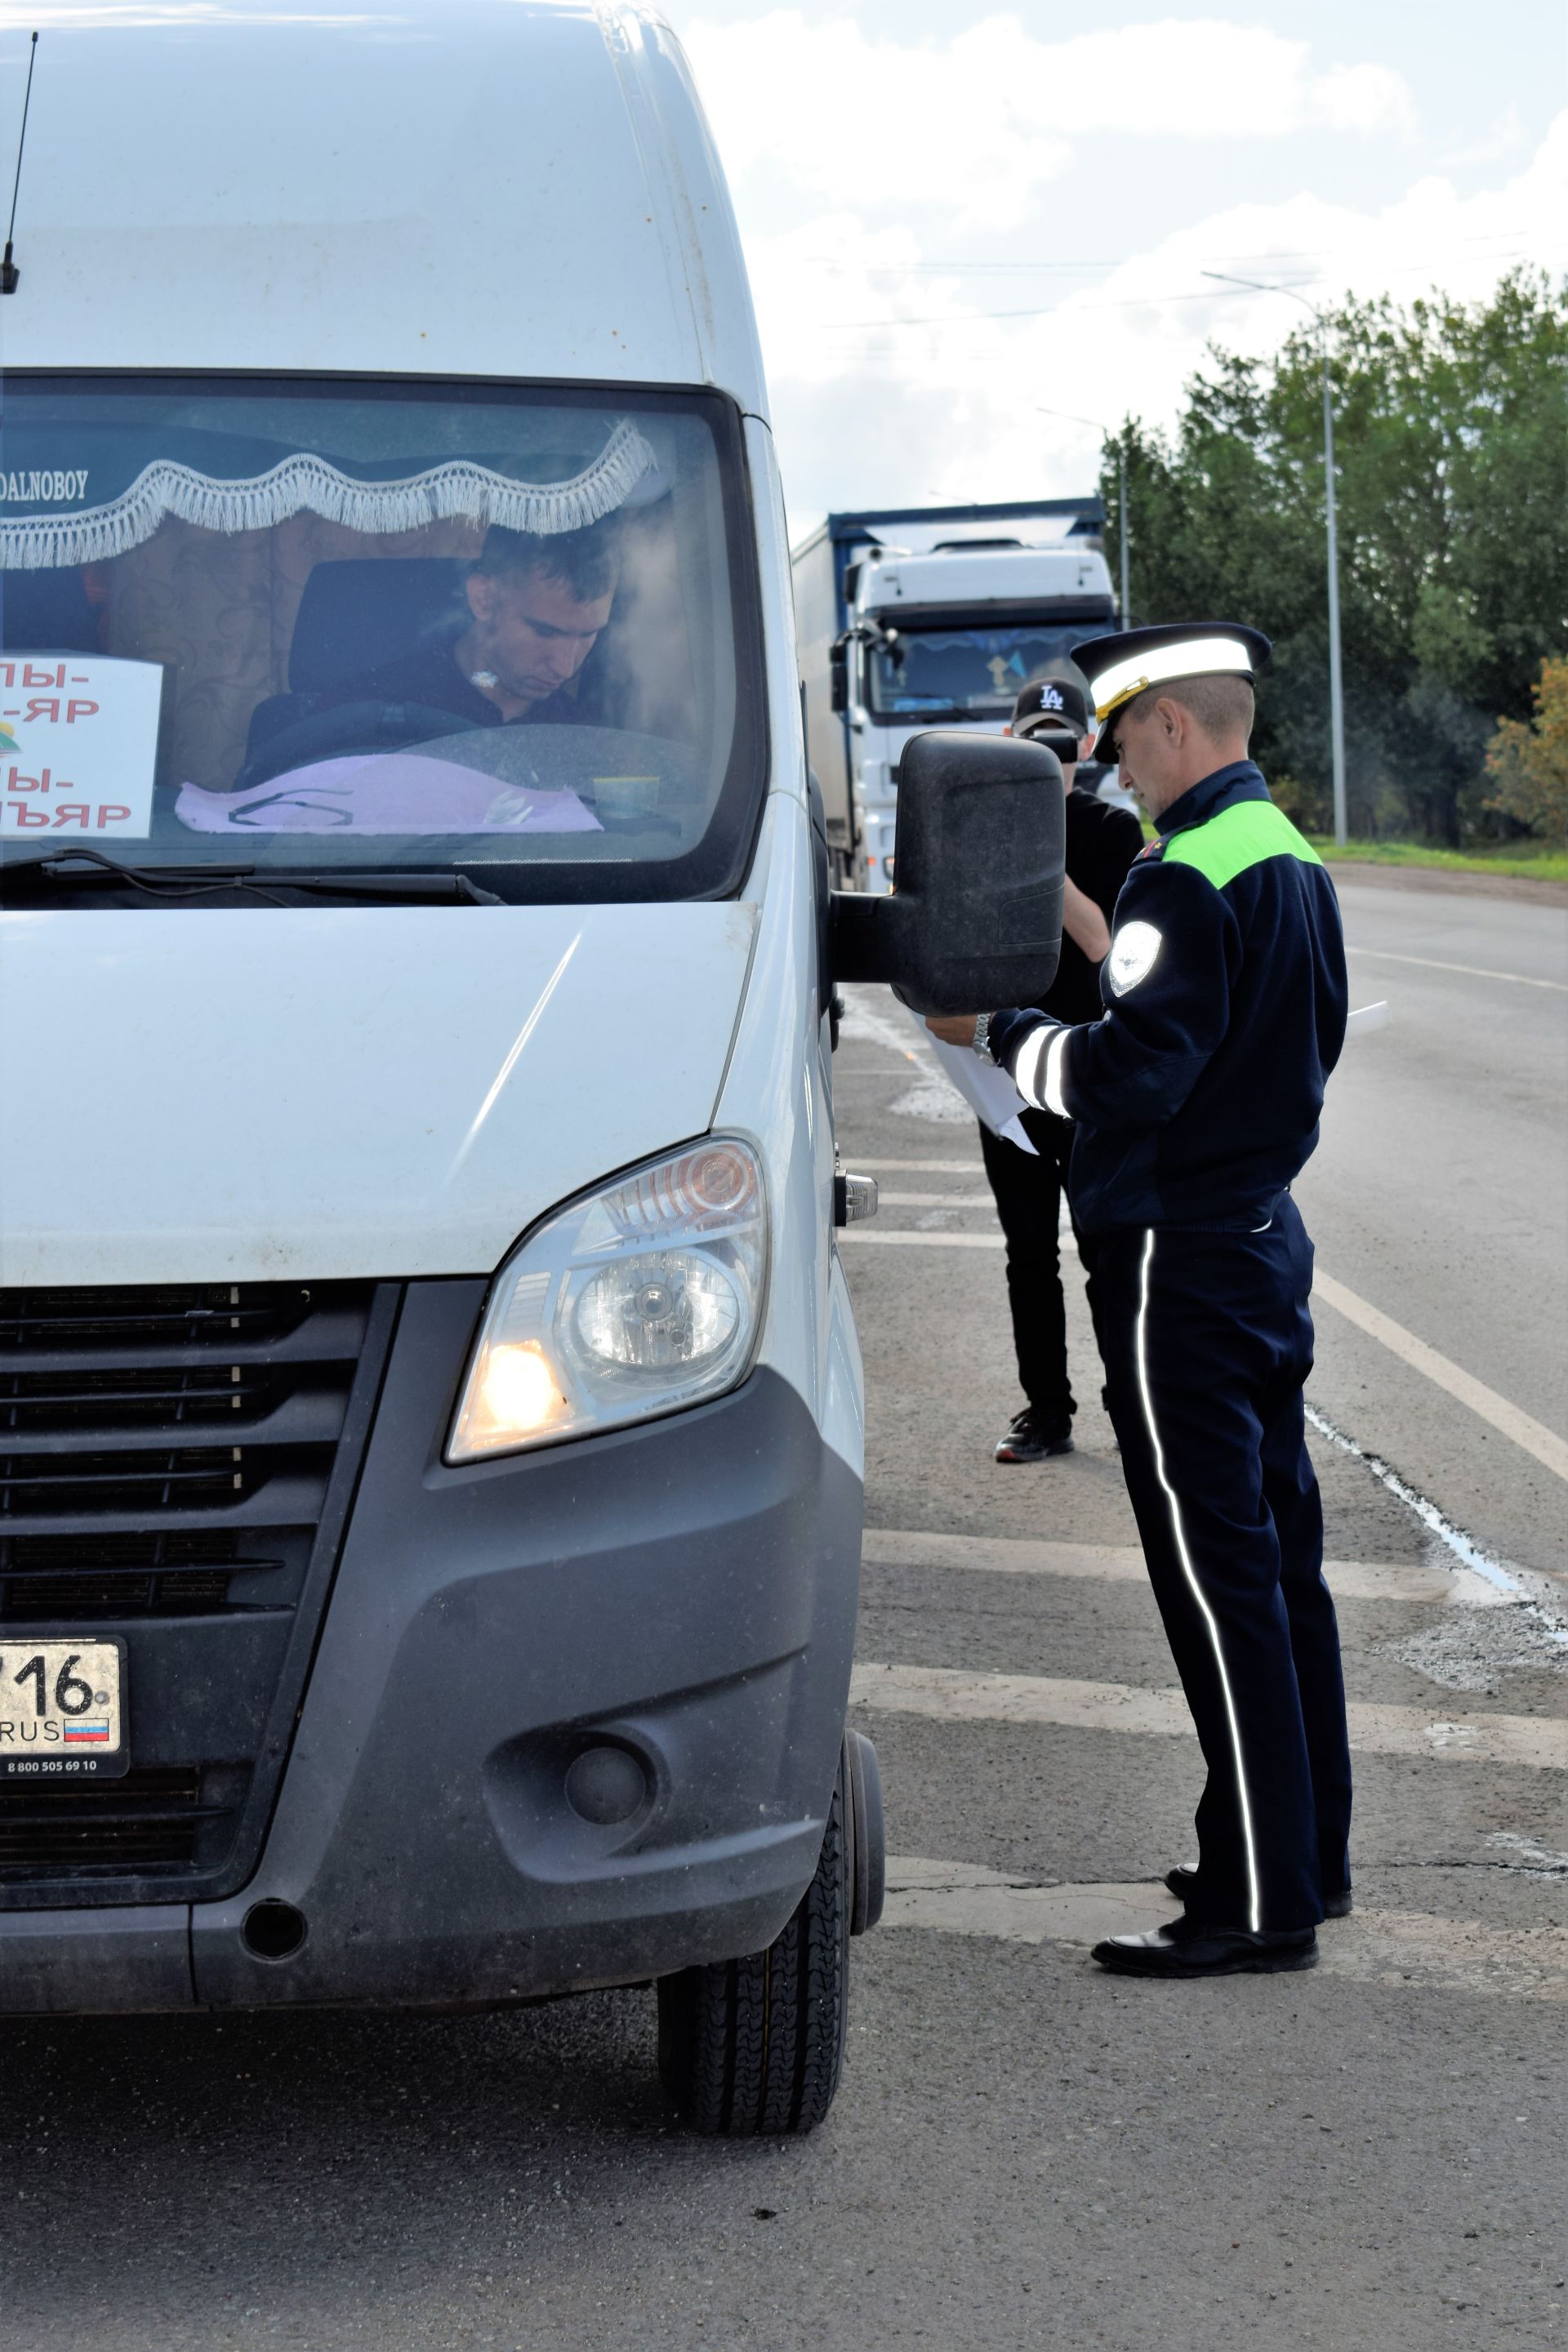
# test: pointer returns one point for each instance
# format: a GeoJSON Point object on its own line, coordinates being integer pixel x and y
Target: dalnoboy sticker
{"type": "Point", "coordinates": [79, 745]}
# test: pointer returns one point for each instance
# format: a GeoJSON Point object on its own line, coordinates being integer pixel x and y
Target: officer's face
{"type": "Point", "coordinates": [1146, 751]}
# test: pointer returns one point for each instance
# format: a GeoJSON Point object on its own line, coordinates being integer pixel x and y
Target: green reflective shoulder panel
{"type": "Point", "coordinates": [1241, 836]}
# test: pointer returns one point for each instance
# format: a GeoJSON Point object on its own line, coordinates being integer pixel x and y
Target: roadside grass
{"type": "Point", "coordinates": [1543, 865]}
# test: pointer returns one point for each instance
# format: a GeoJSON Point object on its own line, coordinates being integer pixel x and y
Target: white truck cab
{"type": "Point", "coordinates": [431, 1470]}
{"type": "Point", "coordinates": [926, 617]}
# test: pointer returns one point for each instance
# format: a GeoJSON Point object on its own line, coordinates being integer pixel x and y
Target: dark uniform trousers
{"type": "Point", "coordinates": [1028, 1194]}
{"type": "Point", "coordinates": [1207, 1342]}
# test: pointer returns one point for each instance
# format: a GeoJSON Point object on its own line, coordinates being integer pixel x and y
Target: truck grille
{"type": "Point", "coordinates": [177, 1465]}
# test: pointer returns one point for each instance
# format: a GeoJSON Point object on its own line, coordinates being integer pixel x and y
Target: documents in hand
{"type": "Point", "coordinates": [989, 1092]}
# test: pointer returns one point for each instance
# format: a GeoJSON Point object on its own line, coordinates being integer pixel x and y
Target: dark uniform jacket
{"type": "Point", "coordinates": [1198, 1092]}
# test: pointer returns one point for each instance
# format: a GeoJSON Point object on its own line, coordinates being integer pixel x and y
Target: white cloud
{"type": "Point", "coordinates": [870, 412]}
{"type": "Point", "coordinates": [983, 120]}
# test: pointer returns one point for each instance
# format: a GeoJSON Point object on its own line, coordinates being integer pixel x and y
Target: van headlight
{"type": "Point", "coordinates": [639, 1298]}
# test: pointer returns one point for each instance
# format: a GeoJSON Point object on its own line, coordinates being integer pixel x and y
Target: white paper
{"type": "Point", "coordinates": [989, 1092]}
{"type": "Point", "coordinates": [1369, 1017]}
{"type": "Point", "coordinates": [79, 745]}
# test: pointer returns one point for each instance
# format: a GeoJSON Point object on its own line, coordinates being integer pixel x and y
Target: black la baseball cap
{"type": "Point", "coordinates": [1052, 705]}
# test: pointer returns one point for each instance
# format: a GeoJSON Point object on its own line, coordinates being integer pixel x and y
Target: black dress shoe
{"type": "Point", "coordinates": [1182, 1948]}
{"type": "Point", "coordinates": [1184, 1880]}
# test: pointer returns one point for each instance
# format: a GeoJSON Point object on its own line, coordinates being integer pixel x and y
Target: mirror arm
{"type": "Point", "coordinates": [865, 936]}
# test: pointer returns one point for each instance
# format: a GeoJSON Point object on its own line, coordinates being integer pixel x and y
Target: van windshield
{"type": "Point", "coordinates": [963, 672]}
{"type": "Point", "coordinates": [374, 626]}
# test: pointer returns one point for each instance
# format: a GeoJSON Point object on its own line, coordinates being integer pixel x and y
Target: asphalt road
{"type": "Point", "coordinates": [1368, 2159]}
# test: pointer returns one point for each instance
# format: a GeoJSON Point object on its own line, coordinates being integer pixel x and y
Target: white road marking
{"type": "Point", "coordinates": [895, 1237]}
{"type": "Point", "coordinates": [1471, 1554]}
{"type": "Point", "coordinates": [865, 1021]}
{"type": "Point", "coordinates": [954, 1694]}
{"type": "Point", "coordinates": [1529, 1434]}
{"type": "Point", "coordinates": [1381, 1947]}
{"type": "Point", "coordinates": [924, 1167]}
{"type": "Point", "coordinates": [856, 1233]}
{"type": "Point", "coordinates": [1469, 970]}
{"type": "Point", "coordinates": [935, 1199]}
{"type": "Point", "coordinates": [1350, 1580]}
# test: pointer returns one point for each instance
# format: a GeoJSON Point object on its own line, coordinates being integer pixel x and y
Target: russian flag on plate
{"type": "Point", "coordinates": [87, 1734]}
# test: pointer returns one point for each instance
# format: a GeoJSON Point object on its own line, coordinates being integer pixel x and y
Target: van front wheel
{"type": "Point", "coordinates": [756, 2046]}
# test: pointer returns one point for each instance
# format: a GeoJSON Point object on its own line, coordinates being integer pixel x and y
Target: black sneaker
{"type": "Point", "coordinates": [1033, 1436]}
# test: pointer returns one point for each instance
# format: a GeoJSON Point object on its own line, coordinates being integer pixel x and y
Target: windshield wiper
{"type": "Point", "coordinates": [158, 881]}
{"type": "Point", "coordinates": [74, 865]}
{"type": "Point", "coordinates": [413, 887]}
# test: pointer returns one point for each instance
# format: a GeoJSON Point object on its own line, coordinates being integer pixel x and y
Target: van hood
{"type": "Point", "coordinates": [252, 1094]}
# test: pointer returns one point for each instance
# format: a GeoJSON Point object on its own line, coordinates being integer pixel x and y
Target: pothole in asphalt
{"type": "Point", "coordinates": [1469, 1649]}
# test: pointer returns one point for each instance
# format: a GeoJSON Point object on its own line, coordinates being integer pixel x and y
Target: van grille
{"type": "Point", "coordinates": [176, 1466]}
{"type": "Point", "coordinates": [154, 1818]}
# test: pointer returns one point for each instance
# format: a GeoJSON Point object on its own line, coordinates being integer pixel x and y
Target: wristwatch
{"type": "Point", "coordinates": [981, 1041]}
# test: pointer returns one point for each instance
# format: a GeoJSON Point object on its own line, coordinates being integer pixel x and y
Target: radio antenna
{"type": "Point", "coordinates": [10, 276]}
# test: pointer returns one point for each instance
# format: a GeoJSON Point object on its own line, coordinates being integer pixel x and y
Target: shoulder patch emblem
{"type": "Point", "coordinates": [1133, 955]}
{"type": "Point", "coordinates": [1150, 849]}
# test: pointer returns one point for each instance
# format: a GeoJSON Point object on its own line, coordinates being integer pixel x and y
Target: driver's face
{"type": "Point", "coordinates": [532, 631]}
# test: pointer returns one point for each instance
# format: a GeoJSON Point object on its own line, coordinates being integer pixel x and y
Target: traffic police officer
{"type": "Point", "coordinates": [1197, 1097]}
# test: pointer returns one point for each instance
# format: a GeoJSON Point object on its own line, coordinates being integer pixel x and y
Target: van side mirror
{"type": "Point", "coordinates": [975, 920]}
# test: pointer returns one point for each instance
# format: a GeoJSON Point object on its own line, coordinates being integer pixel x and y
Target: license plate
{"type": "Point", "coordinates": [62, 1708]}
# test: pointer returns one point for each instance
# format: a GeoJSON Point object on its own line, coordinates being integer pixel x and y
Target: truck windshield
{"type": "Point", "coordinates": [378, 626]}
{"type": "Point", "coordinates": [964, 673]}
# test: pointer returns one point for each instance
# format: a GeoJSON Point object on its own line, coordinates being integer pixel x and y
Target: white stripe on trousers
{"type": "Point", "coordinates": [1255, 1915]}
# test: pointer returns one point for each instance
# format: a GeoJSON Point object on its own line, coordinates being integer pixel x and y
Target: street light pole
{"type": "Point", "coordinates": [1120, 497]}
{"type": "Point", "coordinates": [1336, 681]}
{"type": "Point", "coordinates": [1336, 677]}
{"type": "Point", "coordinates": [1121, 517]}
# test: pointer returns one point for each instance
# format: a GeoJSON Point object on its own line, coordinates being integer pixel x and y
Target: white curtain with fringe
{"type": "Point", "coordinates": [51, 542]}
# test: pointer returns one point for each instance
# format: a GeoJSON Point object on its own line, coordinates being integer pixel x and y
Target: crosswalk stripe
{"type": "Point", "coordinates": [859, 1235]}
{"type": "Point", "coordinates": [1350, 1580]}
{"type": "Point", "coordinates": [950, 1693]}
{"type": "Point", "coordinates": [1388, 1947]}
{"type": "Point", "coordinates": [935, 1199]}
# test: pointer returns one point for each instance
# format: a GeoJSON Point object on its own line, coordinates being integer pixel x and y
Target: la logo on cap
{"type": "Point", "coordinates": [1051, 700]}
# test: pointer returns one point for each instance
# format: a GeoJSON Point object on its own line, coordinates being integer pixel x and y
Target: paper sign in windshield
{"type": "Point", "coordinates": [392, 792]}
{"type": "Point", "coordinates": [79, 745]}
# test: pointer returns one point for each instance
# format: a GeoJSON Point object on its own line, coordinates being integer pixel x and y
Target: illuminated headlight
{"type": "Point", "coordinates": [637, 1299]}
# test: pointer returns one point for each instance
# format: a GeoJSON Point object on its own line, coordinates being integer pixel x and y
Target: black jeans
{"type": "Point", "coordinates": [1028, 1194]}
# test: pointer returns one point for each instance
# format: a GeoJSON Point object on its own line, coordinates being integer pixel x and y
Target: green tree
{"type": "Point", "coordinates": [1529, 764]}
{"type": "Point", "coordinates": [1451, 445]}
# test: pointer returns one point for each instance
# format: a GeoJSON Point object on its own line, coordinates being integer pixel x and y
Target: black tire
{"type": "Point", "coordinates": [869, 1847]}
{"type": "Point", "coordinates": [756, 2046]}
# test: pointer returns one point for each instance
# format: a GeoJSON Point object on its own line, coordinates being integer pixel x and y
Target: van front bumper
{"type": "Point", "coordinates": [681, 1594]}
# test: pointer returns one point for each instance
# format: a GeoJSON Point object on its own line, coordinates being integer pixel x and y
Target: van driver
{"type": "Point", "coordinates": [535, 607]}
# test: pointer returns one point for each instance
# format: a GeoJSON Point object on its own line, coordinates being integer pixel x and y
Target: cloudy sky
{"type": "Point", "coordinates": [960, 216]}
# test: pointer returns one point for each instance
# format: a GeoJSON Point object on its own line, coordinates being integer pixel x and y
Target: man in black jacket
{"type": "Point", "coordinates": [1196, 1095]}
{"type": "Point", "coordinates": [533, 610]}
{"type": "Point", "coordinates": [1101, 844]}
